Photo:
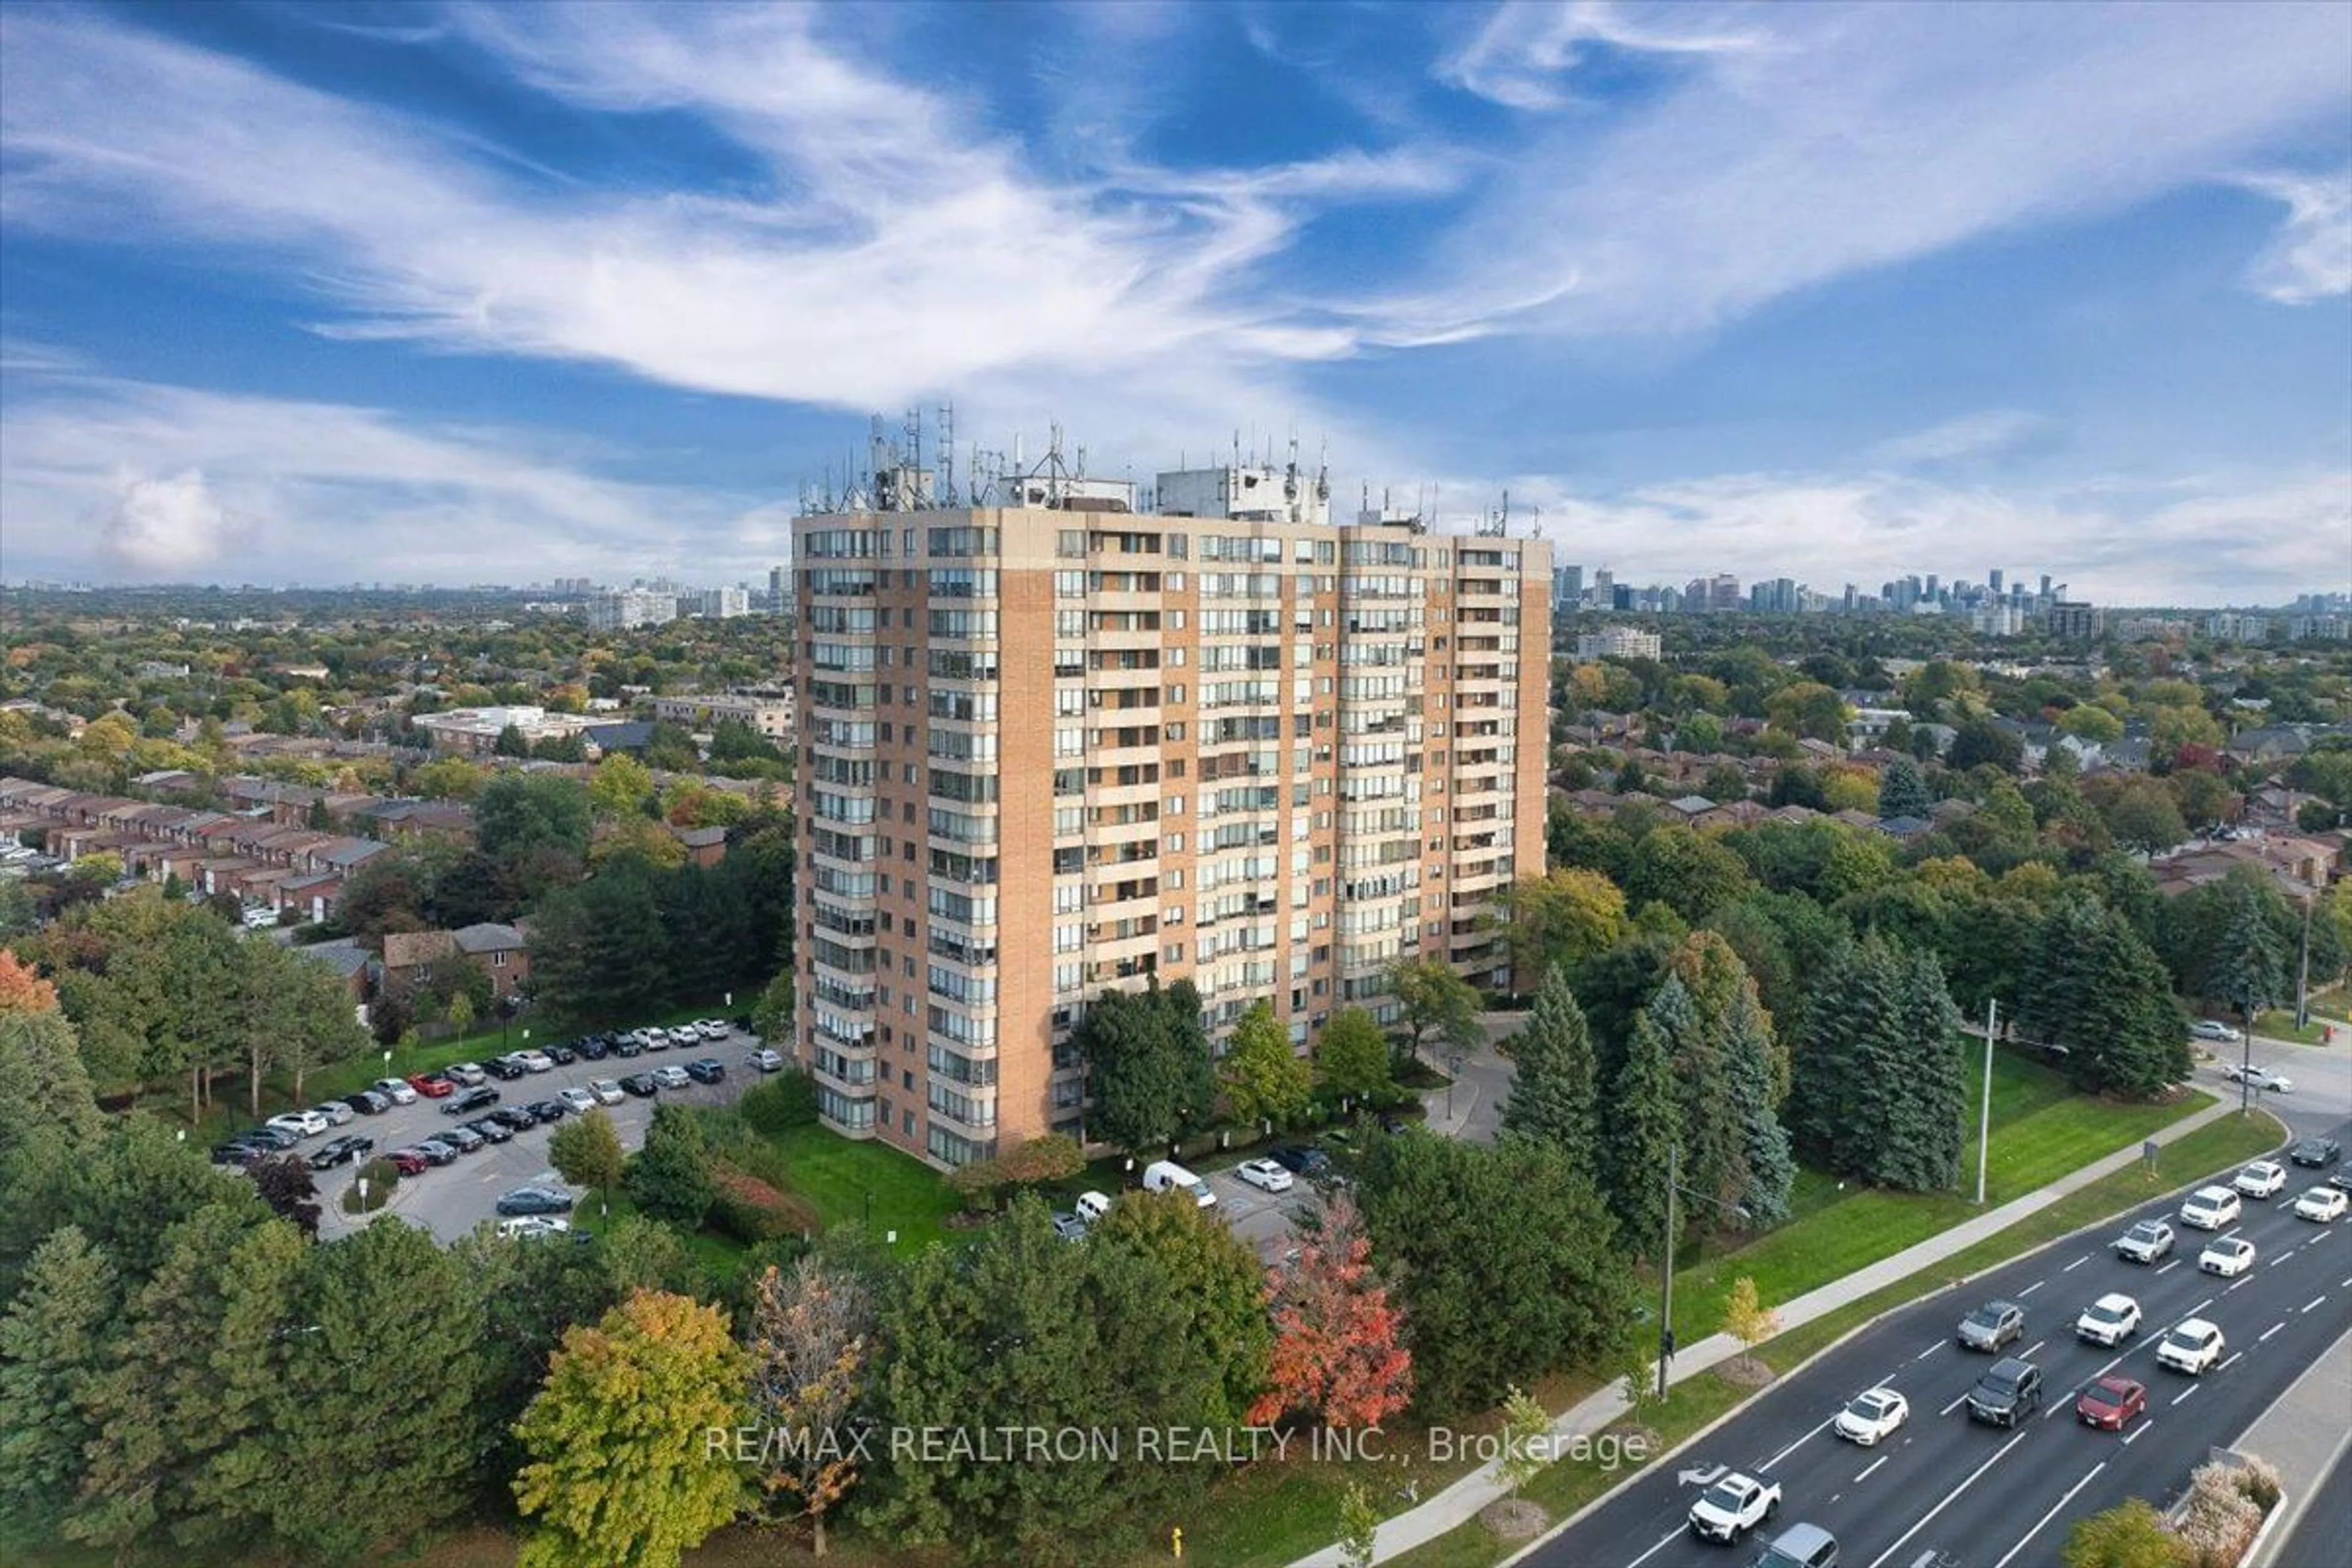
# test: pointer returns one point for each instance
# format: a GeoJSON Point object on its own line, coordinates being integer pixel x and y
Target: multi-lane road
{"type": "Point", "coordinates": [1949, 1492]}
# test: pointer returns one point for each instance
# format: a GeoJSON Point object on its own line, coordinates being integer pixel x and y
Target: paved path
{"type": "Point", "coordinates": [2304, 1434]}
{"type": "Point", "coordinates": [1463, 1501]}
{"type": "Point", "coordinates": [1471, 1111]}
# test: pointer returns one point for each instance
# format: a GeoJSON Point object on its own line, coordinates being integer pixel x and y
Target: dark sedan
{"type": "Point", "coordinates": [642, 1084]}
{"type": "Point", "coordinates": [550, 1110]}
{"type": "Point", "coordinates": [471, 1101]}
{"type": "Point", "coordinates": [341, 1151]}
{"type": "Point", "coordinates": [706, 1069]}
{"type": "Point", "coordinates": [595, 1047]}
{"type": "Point", "coordinates": [628, 1045]}
{"type": "Point", "coordinates": [515, 1116]}
{"type": "Point", "coordinates": [240, 1153]}
{"type": "Point", "coordinates": [2317, 1152]}
{"type": "Point", "coordinates": [495, 1132]}
{"type": "Point", "coordinates": [534, 1200]}
{"type": "Point", "coordinates": [1301, 1160]}
{"type": "Point", "coordinates": [504, 1069]}
{"type": "Point", "coordinates": [369, 1102]}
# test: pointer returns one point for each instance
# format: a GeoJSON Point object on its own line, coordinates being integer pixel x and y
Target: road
{"type": "Point", "coordinates": [451, 1200]}
{"type": "Point", "coordinates": [1953, 1493]}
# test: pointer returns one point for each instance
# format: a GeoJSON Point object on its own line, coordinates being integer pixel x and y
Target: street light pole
{"type": "Point", "coordinates": [1984, 1111]}
{"type": "Point", "coordinates": [2303, 973]}
{"type": "Point", "coordinates": [1666, 1270]}
{"type": "Point", "coordinates": [2246, 1064]}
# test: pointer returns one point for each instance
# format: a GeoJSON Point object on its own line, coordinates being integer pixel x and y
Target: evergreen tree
{"type": "Point", "coordinates": [2247, 966]}
{"type": "Point", "coordinates": [1714, 1138]}
{"type": "Point", "coordinates": [2092, 986]}
{"type": "Point", "coordinates": [1148, 1066]}
{"type": "Point", "coordinates": [670, 1178]}
{"type": "Point", "coordinates": [1771, 1169]}
{"type": "Point", "coordinates": [1643, 1120]}
{"type": "Point", "coordinates": [1902, 792]}
{"type": "Point", "coordinates": [1554, 1095]}
{"type": "Point", "coordinates": [1837, 1104]}
{"type": "Point", "coordinates": [52, 1345]}
{"type": "Point", "coordinates": [1923, 1151]}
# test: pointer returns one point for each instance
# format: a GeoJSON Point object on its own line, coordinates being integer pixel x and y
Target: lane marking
{"type": "Point", "coordinates": [1950, 1497]}
{"type": "Point", "coordinates": [2030, 1289]}
{"type": "Point", "coordinates": [2274, 1327]}
{"type": "Point", "coordinates": [2077, 1264]}
{"type": "Point", "coordinates": [2234, 1355]}
{"type": "Point", "coordinates": [2144, 1423]}
{"type": "Point", "coordinates": [1795, 1446]}
{"type": "Point", "coordinates": [2169, 1266]}
{"type": "Point", "coordinates": [2030, 1353]}
{"type": "Point", "coordinates": [2233, 1287]}
{"type": "Point", "coordinates": [2314, 1302]}
{"type": "Point", "coordinates": [1931, 1350]}
{"type": "Point", "coordinates": [2046, 1518]}
{"type": "Point", "coordinates": [1874, 1465]}
{"type": "Point", "coordinates": [2184, 1393]}
{"type": "Point", "coordinates": [1661, 1546]}
{"type": "Point", "coordinates": [1955, 1405]}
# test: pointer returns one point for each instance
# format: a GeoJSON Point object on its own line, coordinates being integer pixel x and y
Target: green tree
{"type": "Point", "coordinates": [599, 953]}
{"type": "Point", "coordinates": [771, 1015]}
{"type": "Point", "coordinates": [1688, 871]}
{"type": "Point", "coordinates": [2146, 816]}
{"type": "Point", "coordinates": [1352, 1056]}
{"type": "Point", "coordinates": [536, 825]}
{"type": "Point", "coordinates": [1809, 711]}
{"type": "Point", "coordinates": [1562, 918]}
{"type": "Point", "coordinates": [670, 1178]}
{"type": "Point", "coordinates": [1215, 1282]}
{"type": "Point", "coordinates": [2093, 985]}
{"type": "Point", "coordinates": [1437, 1003]}
{"type": "Point", "coordinates": [1879, 1089]}
{"type": "Point", "coordinates": [1713, 1141]}
{"type": "Point", "coordinates": [53, 1343]}
{"type": "Point", "coordinates": [606, 1486]}
{"type": "Point", "coordinates": [1554, 1095]}
{"type": "Point", "coordinates": [1902, 792]}
{"type": "Point", "coordinates": [622, 785]}
{"type": "Point", "coordinates": [1525, 1423]}
{"type": "Point", "coordinates": [2129, 1535]}
{"type": "Point", "coordinates": [2247, 964]}
{"type": "Point", "coordinates": [587, 1151]}
{"type": "Point", "coordinates": [1641, 1124]}
{"type": "Point", "coordinates": [45, 1091]}
{"type": "Point", "coordinates": [1359, 1527]}
{"type": "Point", "coordinates": [446, 778]}
{"type": "Point", "coordinates": [1750, 1058]}
{"type": "Point", "coordinates": [1147, 1058]}
{"type": "Point", "coordinates": [510, 743]}
{"type": "Point", "coordinates": [1979, 742]}
{"type": "Point", "coordinates": [1263, 1075]}
{"type": "Point", "coordinates": [1452, 1220]}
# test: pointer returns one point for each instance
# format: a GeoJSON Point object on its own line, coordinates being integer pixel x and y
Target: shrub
{"type": "Point", "coordinates": [1053, 1157]}
{"type": "Point", "coordinates": [752, 1212]}
{"type": "Point", "coordinates": [980, 1184]}
{"type": "Point", "coordinates": [2218, 1520]}
{"type": "Point", "coordinates": [382, 1178]}
{"type": "Point", "coordinates": [2259, 1480]}
{"type": "Point", "coordinates": [786, 1101]}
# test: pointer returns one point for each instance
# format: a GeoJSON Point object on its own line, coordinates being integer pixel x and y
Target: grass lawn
{"type": "Point", "coordinates": [836, 1175]}
{"type": "Point", "coordinates": [2041, 1130]}
{"type": "Point", "coordinates": [2280, 1025]}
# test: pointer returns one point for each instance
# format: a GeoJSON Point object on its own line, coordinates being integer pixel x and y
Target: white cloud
{"type": "Point", "coordinates": [1992, 433]}
{"type": "Point", "coordinates": [2310, 259]}
{"type": "Point", "coordinates": [1863, 137]}
{"type": "Point", "coordinates": [112, 477]}
{"type": "Point", "coordinates": [1524, 49]}
{"type": "Point", "coordinates": [2186, 543]}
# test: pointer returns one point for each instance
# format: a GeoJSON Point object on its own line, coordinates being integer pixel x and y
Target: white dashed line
{"type": "Point", "coordinates": [1874, 1465]}
{"type": "Point", "coordinates": [2274, 1327]}
{"type": "Point", "coordinates": [1654, 1551]}
{"type": "Point", "coordinates": [1950, 1497]}
{"type": "Point", "coordinates": [2184, 1393]}
{"type": "Point", "coordinates": [2046, 1518]}
{"type": "Point", "coordinates": [2234, 1356]}
{"type": "Point", "coordinates": [2077, 1264]}
{"type": "Point", "coordinates": [2313, 1302]}
{"type": "Point", "coordinates": [1794, 1446]}
{"type": "Point", "coordinates": [2169, 1266]}
{"type": "Point", "coordinates": [2030, 1289]}
{"type": "Point", "coordinates": [1955, 1405]}
{"type": "Point", "coordinates": [1931, 1350]}
{"type": "Point", "coordinates": [2143, 1426]}
{"type": "Point", "coordinates": [2034, 1350]}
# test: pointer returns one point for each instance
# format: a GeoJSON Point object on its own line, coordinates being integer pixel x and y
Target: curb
{"type": "Point", "coordinates": [2287, 1512]}
{"type": "Point", "coordinates": [1861, 1328]}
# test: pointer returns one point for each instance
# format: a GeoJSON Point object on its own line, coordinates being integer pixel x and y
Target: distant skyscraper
{"type": "Point", "coordinates": [1994, 581]}
{"type": "Point", "coordinates": [1604, 588]}
{"type": "Point", "coordinates": [1566, 588]}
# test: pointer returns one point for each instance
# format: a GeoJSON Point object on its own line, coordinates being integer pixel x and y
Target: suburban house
{"type": "Point", "coordinates": [501, 952]}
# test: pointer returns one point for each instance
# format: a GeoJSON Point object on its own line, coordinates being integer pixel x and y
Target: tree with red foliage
{"type": "Point", "coordinates": [1338, 1349]}
{"type": "Point", "coordinates": [22, 990]}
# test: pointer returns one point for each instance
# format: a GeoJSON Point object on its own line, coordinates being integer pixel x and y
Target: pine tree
{"type": "Point", "coordinates": [1643, 1122]}
{"type": "Point", "coordinates": [2095, 987]}
{"type": "Point", "coordinates": [2248, 965]}
{"type": "Point", "coordinates": [53, 1344]}
{"type": "Point", "coordinates": [1771, 1169]}
{"type": "Point", "coordinates": [1838, 1107]}
{"type": "Point", "coordinates": [1902, 792]}
{"type": "Point", "coordinates": [1553, 1096]}
{"type": "Point", "coordinates": [1922, 1154]}
{"type": "Point", "coordinates": [1713, 1156]}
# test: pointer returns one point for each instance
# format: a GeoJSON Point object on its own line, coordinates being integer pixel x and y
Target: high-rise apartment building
{"type": "Point", "coordinates": [1063, 746]}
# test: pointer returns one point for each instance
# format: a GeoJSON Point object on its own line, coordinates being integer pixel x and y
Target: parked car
{"type": "Point", "coordinates": [711, 1028]}
{"type": "Point", "coordinates": [671, 1076]}
{"type": "Point", "coordinates": [2109, 1321]}
{"type": "Point", "coordinates": [2145, 1242]}
{"type": "Point", "coordinates": [2213, 1030]}
{"type": "Point", "coordinates": [341, 1151]}
{"type": "Point", "coordinates": [2324, 1204]}
{"type": "Point", "coordinates": [1264, 1176]}
{"type": "Point", "coordinates": [2110, 1402]}
{"type": "Point", "coordinates": [2262, 1179]}
{"type": "Point", "coordinates": [398, 1090]}
{"type": "Point", "coordinates": [1733, 1506]}
{"type": "Point", "coordinates": [464, 1074]}
{"type": "Point", "coordinates": [595, 1047]}
{"type": "Point", "coordinates": [535, 1200]}
{"type": "Point", "coordinates": [2228, 1256]}
{"type": "Point", "coordinates": [533, 1060]}
{"type": "Point", "coordinates": [628, 1045]}
{"type": "Point", "coordinates": [505, 1069]}
{"type": "Point", "coordinates": [432, 1085]}
{"type": "Point", "coordinates": [686, 1035]}
{"type": "Point", "coordinates": [706, 1069]}
{"type": "Point", "coordinates": [492, 1131]}
{"type": "Point", "coordinates": [300, 1124]}
{"type": "Point", "coordinates": [606, 1091]}
{"type": "Point", "coordinates": [337, 1114]}
{"type": "Point", "coordinates": [533, 1227]}
{"type": "Point", "coordinates": [517, 1117]}
{"type": "Point", "coordinates": [550, 1112]}
{"type": "Point", "coordinates": [436, 1153]}
{"type": "Point", "coordinates": [471, 1101]}
{"type": "Point", "coordinates": [1800, 1546]}
{"type": "Point", "coordinates": [2317, 1152]}
{"type": "Point", "coordinates": [276, 1139]}
{"type": "Point", "coordinates": [2190, 1345]}
{"type": "Point", "coordinates": [764, 1060]}
{"type": "Point", "coordinates": [240, 1155]}
{"type": "Point", "coordinates": [1871, 1415]}
{"type": "Point", "coordinates": [642, 1084]}
{"type": "Point", "coordinates": [578, 1098]}
{"type": "Point", "coordinates": [562, 1056]}
{"type": "Point", "coordinates": [464, 1140]}
{"type": "Point", "coordinates": [653, 1040]}
{"type": "Point", "coordinates": [409, 1162]}
{"type": "Point", "coordinates": [1301, 1159]}
{"type": "Point", "coordinates": [2211, 1208]}
{"type": "Point", "coordinates": [1069, 1227]}
{"type": "Point", "coordinates": [1167, 1176]}
{"type": "Point", "coordinates": [2009, 1391]}
{"type": "Point", "coordinates": [372, 1101]}
{"type": "Point", "coordinates": [1092, 1207]}
{"type": "Point", "coordinates": [1991, 1326]}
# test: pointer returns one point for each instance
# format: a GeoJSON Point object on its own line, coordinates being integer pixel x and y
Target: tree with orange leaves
{"type": "Point", "coordinates": [1338, 1349]}
{"type": "Point", "coordinates": [22, 990]}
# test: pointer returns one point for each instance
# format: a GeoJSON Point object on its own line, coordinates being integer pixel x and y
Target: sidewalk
{"type": "Point", "coordinates": [2303, 1435]}
{"type": "Point", "coordinates": [1465, 1498]}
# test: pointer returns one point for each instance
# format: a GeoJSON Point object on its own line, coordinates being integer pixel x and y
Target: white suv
{"type": "Point", "coordinates": [2211, 1208]}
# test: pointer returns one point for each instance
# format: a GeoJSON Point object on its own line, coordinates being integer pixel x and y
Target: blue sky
{"type": "Point", "coordinates": [460, 293]}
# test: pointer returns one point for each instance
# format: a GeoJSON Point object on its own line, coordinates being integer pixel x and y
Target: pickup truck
{"type": "Point", "coordinates": [1735, 1504]}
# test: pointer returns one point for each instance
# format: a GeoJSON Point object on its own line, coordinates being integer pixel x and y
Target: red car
{"type": "Point", "coordinates": [432, 1085]}
{"type": "Point", "coordinates": [407, 1162]}
{"type": "Point", "coordinates": [2111, 1403]}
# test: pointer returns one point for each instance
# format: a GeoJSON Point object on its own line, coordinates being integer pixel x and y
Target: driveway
{"type": "Point", "coordinates": [2322, 1077]}
{"type": "Point", "coordinates": [451, 1200]}
{"type": "Point", "coordinates": [1471, 1109]}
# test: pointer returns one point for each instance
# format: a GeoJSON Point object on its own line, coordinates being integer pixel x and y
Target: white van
{"type": "Point", "coordinates": [1163, 1175]}
{"type": "Point", "coordinates": [1092, 1207]}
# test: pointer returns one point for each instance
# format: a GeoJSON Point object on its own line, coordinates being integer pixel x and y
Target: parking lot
{"type": "Point", "coordinates": [451, 1200]}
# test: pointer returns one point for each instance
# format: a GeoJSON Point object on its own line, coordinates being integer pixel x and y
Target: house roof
{"type": "Point", "coordinates": [1691, 804]}
{"type": "Point", "coordinates": [633, 736]}
{"type": "Point", "coordinates": [700, 837]}
{"type": "Point", "coordinates": [346, 957]}
{"type": "Point", "coordinates": [488, 937]}
{"type": "Point", "coordinates": [408, 949]}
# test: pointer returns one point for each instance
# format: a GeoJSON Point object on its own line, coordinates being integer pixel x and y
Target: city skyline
{"type": "Point", "coordinates": [1816, 292]}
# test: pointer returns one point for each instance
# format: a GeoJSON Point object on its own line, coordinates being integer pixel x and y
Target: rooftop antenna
{"type": "Point", "coordinates": [946, 453]}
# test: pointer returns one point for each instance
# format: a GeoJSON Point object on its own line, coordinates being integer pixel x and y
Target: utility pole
{"type": "Point", "coordinates": [2246, 1064]}
{"type": "Point", "coordinates": [1984, 1111]}
{"type": "Point", "coordinates": [1666, 1270]}
{"type": "Point", "coordinates": [2303, 973]}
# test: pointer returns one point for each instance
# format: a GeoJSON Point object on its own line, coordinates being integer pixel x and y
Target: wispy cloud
{"type": "Point", "coordinates": [2312, 256]}
{"type": "Point", "coordinates": [1527, 48]}
{"type": "Point", "coordinates": [1991, 433]}
{"type": "Point", "coordinates": [154, 481]}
